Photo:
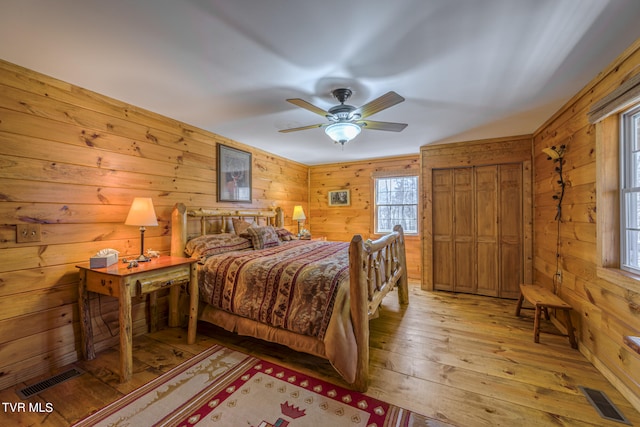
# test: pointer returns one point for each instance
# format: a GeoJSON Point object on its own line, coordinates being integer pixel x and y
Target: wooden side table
{"type": "Point", "coordinates": [125, 283]}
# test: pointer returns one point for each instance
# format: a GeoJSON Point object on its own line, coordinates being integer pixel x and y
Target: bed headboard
{"type": "Point", "coordinates": [180, 223]}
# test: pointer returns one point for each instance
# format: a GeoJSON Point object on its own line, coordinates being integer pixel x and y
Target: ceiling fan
{"type": "Point", "coordinates": [346, 121]}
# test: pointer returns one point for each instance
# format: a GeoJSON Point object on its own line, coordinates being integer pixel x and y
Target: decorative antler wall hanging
{"type": "Point", "coordinates": [556, 154]}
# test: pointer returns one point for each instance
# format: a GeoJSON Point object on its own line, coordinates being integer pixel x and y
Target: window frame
{"type": "Point", "coordinates": [374, 187]}
{"type": "Point", "coordinates": [628, 165]}
{"type": "Point", "coordinates": [608, 222]}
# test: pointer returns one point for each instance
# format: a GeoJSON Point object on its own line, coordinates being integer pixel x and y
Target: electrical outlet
{"type": "Point", "coordinates": [26, 233]}
{"type": "Point", "coordinates": [559, 276]}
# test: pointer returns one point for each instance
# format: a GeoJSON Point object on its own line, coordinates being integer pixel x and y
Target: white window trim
{"type": "Point", "coordinates": [393, 174]}
{"type": "Point", "coordinates": [627, 134]}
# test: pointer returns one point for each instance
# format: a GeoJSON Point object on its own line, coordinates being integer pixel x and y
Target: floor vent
{"type": "Point", "coordinates": [36, 388]}
{"type": "Point", "coordinates": [603, 405]}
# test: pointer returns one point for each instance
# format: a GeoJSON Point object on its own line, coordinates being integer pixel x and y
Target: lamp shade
{"type": "Point", "coordinates": [342, 132]}
{"type": "Point", "coordinates": [298, 214]}
{"type": "Point", "coordinates": [553, 154]}
{"type": "Point", "coordinates": [142, 213]}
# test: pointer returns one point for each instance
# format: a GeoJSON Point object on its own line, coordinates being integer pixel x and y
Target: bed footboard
{"type": "Point", "coordinates": [376, 268]}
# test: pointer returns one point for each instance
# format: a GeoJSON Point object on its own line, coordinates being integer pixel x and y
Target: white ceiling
{"type": "Point", "coordinates": [469, 69]}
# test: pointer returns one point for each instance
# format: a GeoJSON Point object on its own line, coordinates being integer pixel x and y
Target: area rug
{"type": "Point", "coordinates": [223, 387]}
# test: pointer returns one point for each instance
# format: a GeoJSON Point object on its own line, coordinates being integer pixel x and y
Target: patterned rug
{"type": "Point", "coordinates": [223, 387]}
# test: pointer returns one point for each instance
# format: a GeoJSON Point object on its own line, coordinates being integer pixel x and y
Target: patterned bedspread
{"type": "Point", "coordinates": [291, 286]}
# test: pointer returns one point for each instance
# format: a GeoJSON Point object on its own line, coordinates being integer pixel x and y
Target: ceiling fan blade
{"type": "Point", "coordinates": [308, 106]}
{"type": "Point", "coordinates": [388, 126]}
{"type": "Point", "coordinates": [383, 102]}
{"type": "Point", "coordinates": [301, 128]}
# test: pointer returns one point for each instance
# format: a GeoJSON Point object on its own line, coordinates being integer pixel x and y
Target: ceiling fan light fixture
{"type": "Point", "coordinates": [342, 132]}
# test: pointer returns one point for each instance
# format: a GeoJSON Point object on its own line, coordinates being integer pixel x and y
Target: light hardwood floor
{"type": "Point", "coordinates": [462, 359]}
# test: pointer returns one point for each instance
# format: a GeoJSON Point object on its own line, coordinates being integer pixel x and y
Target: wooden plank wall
{"type": "Point", "coordinates": [73, 161]}
{"type": "Point", "coordinates": [341, 223]}
{"type": "Point", "coordinates": [604, 311]}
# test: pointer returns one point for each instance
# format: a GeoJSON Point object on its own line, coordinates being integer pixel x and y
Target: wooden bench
{"type": "Point", "coordinates": [542, 299]}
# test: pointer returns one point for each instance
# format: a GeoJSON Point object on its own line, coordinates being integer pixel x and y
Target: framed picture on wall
{"type": "Point", "coordinates": [339, 198]}
{"type": "Point", "coordinates": [234, 175]}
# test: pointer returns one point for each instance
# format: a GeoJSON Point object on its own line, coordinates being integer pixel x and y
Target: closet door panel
{"type": "Point", "coordinates": [510, 273]}
{"type": "Point", "coordinates": [464, 230]}
{"type": "Point", "coordinates": [443, 268]}
{"type": "Point", "coordinates": [465, 267]}
{"type": "Point", "coordinates": [487, 230]}
{"type": "Point", "coordinates": [488, 275]}
{"type": "Point", "coordinates": [511, 230]}
{"type": "Point", "coordinates": [442, 208]}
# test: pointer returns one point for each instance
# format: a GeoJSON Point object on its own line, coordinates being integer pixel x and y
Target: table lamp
{"type": "Point", "coordinates": [142, 214]}
{"type": "Point", "coordinates": [298, 215]}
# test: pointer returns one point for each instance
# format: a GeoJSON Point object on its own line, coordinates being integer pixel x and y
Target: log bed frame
{"type": "Point", "coordinates": [375, 269]}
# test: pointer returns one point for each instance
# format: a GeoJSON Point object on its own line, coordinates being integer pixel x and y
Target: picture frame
{"type": "Point", "coordinates": [234, 174]}
{"type": "Point", "coordinates": [340, 198]}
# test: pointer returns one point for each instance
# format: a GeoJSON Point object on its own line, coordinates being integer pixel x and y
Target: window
{"type": "Point", "coordinates": [630, 190]}
{"type": "Point", "coordinates": [614, 116]}
{"type": "Point", "coordinates": [396, 202]}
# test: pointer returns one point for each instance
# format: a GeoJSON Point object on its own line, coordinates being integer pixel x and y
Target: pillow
{"type": "Point", "coordinates": [284, 234]}
{"type": "Point", "coordinates": [240, 225]}
{"type": "Point", "coordinates": [263, 237]}
{"type": "Point", "coordinates": [213, 244]}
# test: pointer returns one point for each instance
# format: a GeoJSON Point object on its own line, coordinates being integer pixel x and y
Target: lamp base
{"type": "Point", "coordinates": [142, 257]}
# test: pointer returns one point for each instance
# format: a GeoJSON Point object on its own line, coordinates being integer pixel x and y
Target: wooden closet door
{"type": "Point", "coordinates": [464, 261]}
{"type": "Point", "coordinates": [477, 216]}
{"type": "Point", "coordinates": [442, 204]}
{"type": "Point", "coordinates": [511, 230]}
{"type": "Point", "coordinates": [477, 230]}
{"type": "Point", "coordinates": [487, 238]}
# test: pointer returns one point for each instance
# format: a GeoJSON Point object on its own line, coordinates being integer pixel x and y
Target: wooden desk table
{"type": "Point", "coordinates": [125, 283]}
